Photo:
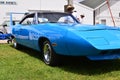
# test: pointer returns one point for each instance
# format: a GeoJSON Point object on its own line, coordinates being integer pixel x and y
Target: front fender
{"type": "Point", "coordinates": [77, 46]}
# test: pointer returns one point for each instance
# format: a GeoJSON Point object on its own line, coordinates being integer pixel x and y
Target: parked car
{"type": "Point", "coordinates": [58, 33]}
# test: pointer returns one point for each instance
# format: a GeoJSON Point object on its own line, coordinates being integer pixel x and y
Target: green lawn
{"type": "Point", "coordinates": [26, 64]}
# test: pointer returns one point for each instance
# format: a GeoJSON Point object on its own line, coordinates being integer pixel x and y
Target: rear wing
{"type": "Point", "coordinates": [19, 17]}
{"type": "Point", "coordinates": [15, 17]}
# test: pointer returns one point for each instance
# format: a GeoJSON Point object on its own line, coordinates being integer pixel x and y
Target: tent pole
{"type": "Point", "coordinates": [108, 4]}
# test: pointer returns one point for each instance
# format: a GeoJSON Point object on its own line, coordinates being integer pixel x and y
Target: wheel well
{"type": "Point", "coordinates": [41, 40]}
{"type": "Point", "coordinates": [12, 36]}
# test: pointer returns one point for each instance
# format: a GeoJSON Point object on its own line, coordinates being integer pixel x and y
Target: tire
{"type": "Point", "coordinates": [15, 44]}
{"type": "Point", "coordinates": [49, 56]}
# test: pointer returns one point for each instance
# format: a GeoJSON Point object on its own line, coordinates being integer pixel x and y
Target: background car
{"type": "Point", "coordinates": [5, 31]}
{"type": "Point", "coordinates": [58, 33]}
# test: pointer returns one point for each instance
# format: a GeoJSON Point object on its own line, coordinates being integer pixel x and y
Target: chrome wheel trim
{"type": "Point", "coordinates": [15, 43]}
{"type": "Point", "coordinates": [47, 53]}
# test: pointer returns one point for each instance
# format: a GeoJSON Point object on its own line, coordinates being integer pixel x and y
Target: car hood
{"type": "Point", "coordinates": [99, 36]}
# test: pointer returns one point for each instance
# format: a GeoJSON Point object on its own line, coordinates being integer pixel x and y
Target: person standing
{"type": "Point", "coordinates": [70, 9]}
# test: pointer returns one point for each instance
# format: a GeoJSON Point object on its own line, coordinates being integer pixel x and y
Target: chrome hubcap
{"type": "Point", "coordinates": [47, 52]}
{"type": "Point", "coordinates": [14, 43]}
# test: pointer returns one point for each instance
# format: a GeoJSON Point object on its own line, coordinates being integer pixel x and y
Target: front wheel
{"type": "Point", "coordinates": [49, 56]}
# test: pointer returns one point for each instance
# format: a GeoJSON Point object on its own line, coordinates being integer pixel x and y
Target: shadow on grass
{"type": "Point", "coordinates": [87, 67]}
{"type": "Point", "coordinates": [30, 52]}
{"type": "Point", "coordinates": [79, 65]}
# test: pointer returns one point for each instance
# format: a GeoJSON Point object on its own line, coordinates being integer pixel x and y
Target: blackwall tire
{"type": "Point", "coordinates": [15, 44]}
{"type": "Point", "coordinates": [49, 56]}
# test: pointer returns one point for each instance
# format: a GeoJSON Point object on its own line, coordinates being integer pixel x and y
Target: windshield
{"type": "Point", "coordinates": [56, 17]}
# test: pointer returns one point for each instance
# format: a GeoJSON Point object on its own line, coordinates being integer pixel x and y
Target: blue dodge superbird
{"type": "Point", "coordinates": [57, 33]}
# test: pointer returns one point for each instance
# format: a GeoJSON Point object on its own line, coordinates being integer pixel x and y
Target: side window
{"type": "Point", "coordinates": [42, 20]}
{"type": "Point", "coordinates": [27, 21]}
{"type": "Point", "coordinates": [66, 19]}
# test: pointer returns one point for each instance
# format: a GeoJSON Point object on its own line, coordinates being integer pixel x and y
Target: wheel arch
{"type": "Point", "coordinates": [54, 59]}
{"type": "Point", "coordinates": [12, 36]}
{"type": "Point", "coordinates": [41, 40]}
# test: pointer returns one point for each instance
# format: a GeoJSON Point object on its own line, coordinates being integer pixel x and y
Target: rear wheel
{"type": "Point", "coordinates": [15, 44]}
{"type": "Point", "coordinates": [49, 56]}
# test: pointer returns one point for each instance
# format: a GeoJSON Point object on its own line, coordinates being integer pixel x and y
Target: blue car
{"type": "Point", "coordinates": [58, 33]}
{"type": "Point", "coordinates": [7, 37]}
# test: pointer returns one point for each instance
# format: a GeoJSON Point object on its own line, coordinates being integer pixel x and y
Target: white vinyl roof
{"type": "Point", "coordinates": [92, 3]}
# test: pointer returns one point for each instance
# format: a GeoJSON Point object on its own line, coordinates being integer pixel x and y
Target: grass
{"type": "Point", "coordinates": [26, 64]}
